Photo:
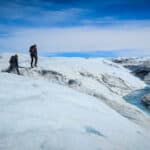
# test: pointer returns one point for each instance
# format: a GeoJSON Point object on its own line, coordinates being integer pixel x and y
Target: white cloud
{"type": "Point", "coordinates": [107, 21]}
{"type": "Point", "coordinates": [79, 39]}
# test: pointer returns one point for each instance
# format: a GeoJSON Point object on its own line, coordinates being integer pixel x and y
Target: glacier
{"type": "Point", "coordinates": [70, 103]}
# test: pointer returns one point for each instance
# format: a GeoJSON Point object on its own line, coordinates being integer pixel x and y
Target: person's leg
{"type": "Point", "coordinates": [10, 69]}
{"type": "Point", "coordinates": [17, 69]}
{"type": "Point", "coordinates": [31, 61]}
{"type": "Point", "coordinates": [36, 59]}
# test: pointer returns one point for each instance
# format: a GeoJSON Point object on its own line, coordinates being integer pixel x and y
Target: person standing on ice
{"type": "Point", "coordinates": [33, 55]}
{"type": "Point", "coordinates": [13, 64]}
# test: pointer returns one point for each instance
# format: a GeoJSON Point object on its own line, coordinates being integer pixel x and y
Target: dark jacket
{"type": "Point", "coordinates": [33, 50]}
{"type": "Point", "coordinates": [13, 61]}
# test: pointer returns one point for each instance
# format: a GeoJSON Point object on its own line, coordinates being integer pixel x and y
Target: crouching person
{"type": "Point", "coordinates": [14, 64]}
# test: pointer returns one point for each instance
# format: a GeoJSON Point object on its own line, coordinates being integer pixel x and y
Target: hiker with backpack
{"type": "Point", "coordinates": [13, 62]}
{"type": "Point", "coordinates": [33, 55]}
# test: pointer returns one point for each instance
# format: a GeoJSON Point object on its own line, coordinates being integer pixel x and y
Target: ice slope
{"type": "Point", "coordinates": [72, 67]}
{"type": "Point", "coordinates": [40, 115]}
{"type": "Point", "coordinates": [100, 78]}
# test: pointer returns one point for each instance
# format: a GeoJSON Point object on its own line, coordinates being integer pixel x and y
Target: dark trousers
{"type": "Point", "coordinates": [34, 59]}
{"type": "Point", "coordinates": [12, 68]}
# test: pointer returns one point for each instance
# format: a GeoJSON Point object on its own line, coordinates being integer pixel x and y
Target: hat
{"type": "Point", "coordinates": [16, 55]}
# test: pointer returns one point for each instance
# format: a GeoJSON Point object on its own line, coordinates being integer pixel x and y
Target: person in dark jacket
{"type": "Point", "coordinates": [14, 64]}
{"type": "Point", "coordinates": [34, 55]}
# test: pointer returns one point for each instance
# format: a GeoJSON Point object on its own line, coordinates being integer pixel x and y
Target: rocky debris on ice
{"type": "Point", "coordinates": [146, 99]}
{"type": "Point", "coordinates": [139, 66]}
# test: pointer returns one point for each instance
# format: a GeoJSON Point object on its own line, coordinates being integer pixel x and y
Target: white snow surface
{"type": "Point", "coordinates": [41, 111]}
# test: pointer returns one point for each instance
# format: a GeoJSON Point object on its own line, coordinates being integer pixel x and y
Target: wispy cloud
{"type": "Point", "coordinates": [112, 21]}
{"type": "Point", "coordinates": [57, 17]}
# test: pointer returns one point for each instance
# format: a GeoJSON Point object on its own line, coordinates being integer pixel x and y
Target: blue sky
{"type": "Point", "coordinates": [121, 27]}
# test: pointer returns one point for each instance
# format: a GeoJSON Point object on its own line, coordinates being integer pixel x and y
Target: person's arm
{"type": "Point", "coordinates": [17, 62]}
{"type": "Point", "coordinates": [36, 50]}
{"type": "Point", "coordinates": [30, 50]}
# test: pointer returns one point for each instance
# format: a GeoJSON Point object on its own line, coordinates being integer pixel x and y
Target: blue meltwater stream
{"type": "Point", "coordinates": [135, 98]}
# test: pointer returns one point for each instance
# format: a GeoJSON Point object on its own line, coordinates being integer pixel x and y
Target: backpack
{"type": "Point", "coordinates": [32, 49]}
